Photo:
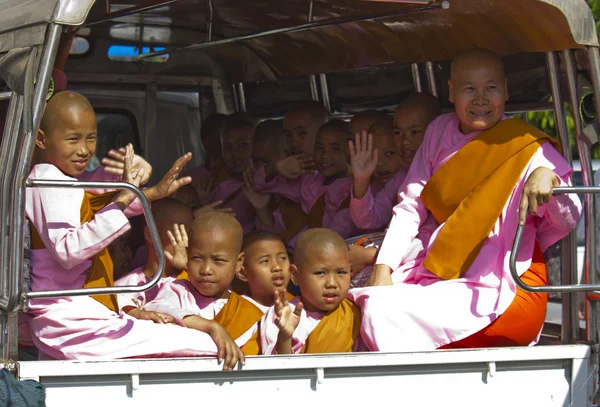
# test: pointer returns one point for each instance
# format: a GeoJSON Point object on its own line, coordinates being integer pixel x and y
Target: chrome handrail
{"type": "Point", "coordinates": [38, 183]}
{"type": "Point", "coordinates": [572, 288]}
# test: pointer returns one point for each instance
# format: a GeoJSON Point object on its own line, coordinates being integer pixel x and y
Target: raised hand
{"type": "Point", "coordinates": [126, 197]}
{"type": "Point", "coordinates": [115, 164]}
{"type": "Point", "coordinates": [213, 208]}
{"type": "Point", "coordinates": [295, 165]}
{"type": "Point", "coordinates": [257, 200]}
{"type": "Point", "coordinates": [537, 191]}
{"type": "Point", "coordinates": [228, 352]}
{"type": "Point", "coordinates": [285, 319]}
{"type": "Point", "coordinates": [205, 188]}
{"type": "Point", "coordinates": [363, 157]}
{"type": "Point", "coordinates": [171, 181]}
{"type": "Point", "coordinates": [179, 241]}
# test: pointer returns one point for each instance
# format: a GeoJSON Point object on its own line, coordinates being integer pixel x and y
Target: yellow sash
{"type": "Point", "coordinates": [183, 275]}
{"type": "Point", "coordinates": [470, 190]}
{"type": "Point", "coordinates": [337, 331]}
{"type": "Point", "coordinates": [237, 317]}
{"type": "Point", "coordinates": [101, 271]}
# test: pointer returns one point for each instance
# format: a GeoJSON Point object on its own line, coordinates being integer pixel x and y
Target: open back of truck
{"type": "Point", "coordinates": [234, 55]}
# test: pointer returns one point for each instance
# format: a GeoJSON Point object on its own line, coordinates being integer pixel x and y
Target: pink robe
{"type": "Point", "coordinates": [307, 189]}
{"type": "Point", "coordinates": [80, 327]}
{"type": "Point", "coordinates": [308, 322]}
{"type": "Point", "coordinates": [180, 299]}
{"type": "Point", "coordinates": [373, 211]}
{"type": "Point", "coordinates": [139, 300]}
{"type": "Point", "coordinates": [421, 312]}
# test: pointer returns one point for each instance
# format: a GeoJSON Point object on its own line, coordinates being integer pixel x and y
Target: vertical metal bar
{"type": "Point", "coordinates": [219, 97]}
{"type": "Point", "coordinates": [570, 315]}
{"type": "Point", "coordinates": [314, 91]}
{"type": "Point", "coordinates": [241, 97]}
{"type": "Point", "coordinates": [594, 58]}
{"type": "Point", "coordinates": [416, 74]}
{"type": "Point", "coordinates": [236, 101]}
{"type": "Point", "coordinates": [431, 80]}
{"type": "Point", "coordinates": [209, 25]}
{"type": "Point", "coordinates": [325, 92]}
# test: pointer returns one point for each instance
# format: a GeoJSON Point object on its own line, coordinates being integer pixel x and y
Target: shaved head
{"type": "Point", "coordinates": [168, 212]}
{"type": "Point", "coordinates": [477, 56]}
{"type": "Point", "coordinates": [425, 101]}
{"type": "Point", "coordinates": [317, 239]}
{"type": "Point", "coordinates": [316, 110]}
{"type": "Point", "coordinates": [362, 121]}
{"type": "Point", "coordinates": [60, 106]}
{"type": "Point", "coordinates": [384, 125]}
{"type": "Point", "coordinates": [218, 221]}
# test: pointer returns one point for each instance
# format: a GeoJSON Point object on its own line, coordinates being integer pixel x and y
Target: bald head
{"type": "Point", "coordinates": [168, 212]}
{"type": "Point", "coordinates": [317, 239]}
{"type": "Point", "coordinates": [477, 56]}
{"type": "Point", "coordinates": [426, 102]}
{"type": "Point", "coordinates": [314, 109]}
{"type": "Point", "coordinates": [218, 222]}
{"type": "Point", "coordinates": [384, 125]}
{"type": "Point", "coordinates": [268, 142]}
{"type": "Point", "coordinates": [61, 106]}
{"type": "Point", "coordinates": [362, 121]}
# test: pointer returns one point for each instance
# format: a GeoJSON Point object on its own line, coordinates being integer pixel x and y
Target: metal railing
{"type": "Point", "coordinates": [38, 183]}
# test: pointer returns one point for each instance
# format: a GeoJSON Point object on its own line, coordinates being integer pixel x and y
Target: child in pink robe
{"type": "Point", "coordinates": [166, 212]}
{"type": "Point", "coordinates": [210, 135]}
{"type": "Point", "coordinates": [80, 327]}
{"type": "Point", "coordinates": [421, 312]}
{"type": "Point", "coordinates": [330, 183]}
{"type": "Point", "coordinates": [266, 268]}
{"type": "Point", "coordinates": [322, 271]}
{"type": "Point", "coordinates": [372, 210]}
{"type": "Point", "coordinates": [214, 257]}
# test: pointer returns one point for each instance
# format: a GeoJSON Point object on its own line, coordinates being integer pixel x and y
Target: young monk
{"type": "Point", "coordinates": [166, 212]}
{"type": "Point", "coordinates": [322, 320]}
{"type": "Point", "coordinates": [70, 232]}
{"type": "Point", "coordinates": [512, 170]}
{"type": "Point", "coordinates": [236, 144]}
{"type": "Point", "coordinates": [324, 194]}
{"type": "Point", "coordinates": [301, 124]}
{"type": "Point", "coordinates": [121, 255]}
{"type": "Point", "coordinates": [266, 268]}
{"type": "Point", "coordinates": [210, 135]}
{"type": "Point", "coordinates": [205, 303]}
{"type": "Point", "coordinates": [371, 209]}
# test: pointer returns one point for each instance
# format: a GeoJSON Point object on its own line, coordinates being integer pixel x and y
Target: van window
{"type": "Point", "coordinates": [129, 53]}
{"type": "Point", "coordinates": [116, 128]}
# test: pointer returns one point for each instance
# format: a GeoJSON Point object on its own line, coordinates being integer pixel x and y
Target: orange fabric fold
{"type": "Point", "coordinates": [522, 321]}
{"type": "Point", "coordinates": [237, 317]}
{"type": "Point", "coordinates": [101, 271]}
{"type": "Point", "coordinates": [470, 190]}
{"type": "Point", "coordinates": [337, 331]}
{"type": "Point", "coordinates": [294, 219]}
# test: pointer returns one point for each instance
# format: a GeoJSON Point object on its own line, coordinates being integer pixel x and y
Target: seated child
{"type": "Point", "coordinates": [322, 320]}
{"type": "Point", "coordinates": [324, 194]}
{"type": "Point", "coordinates": [167, 212]}
{"type": "Point", "coordinates": [266, 268]}
{"type": "Point", "coordinates": [236, 145]}
{"type": "Point", "coordinates": [284, 216]}
{"type": "Point", "coordinates": [70, 230]}
{"type": "Point", "coordinates": [362, 121]}
{"type": "Point", "coordinates": [301, 124]}
{"type": "Point", "coordinates": [121, 255]}
{"type": "Point", "coordinates": [204, 302]}
{"type": "Point", "coordinates": [372, 210]}
{"type": "Point", "coordinates": [210, 135]}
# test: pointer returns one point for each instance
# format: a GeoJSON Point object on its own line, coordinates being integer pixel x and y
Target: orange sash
{"type": "Point", "coordinates": [101, 271]}
{"type": "Point", "coordinates": [183, 275]}
{"type": "Point", "coordinates": [237, 317]}
{"type": "Point", "coordinates": [470, 190]}
{"type": "Point", "coordinates": [337, 331]}
{"type": "Point", "coordinates": [315, 216]}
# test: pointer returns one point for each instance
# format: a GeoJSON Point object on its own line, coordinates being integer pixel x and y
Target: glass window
{"type": "Point", "coordinates": [129, 53]}
{"type": "Point", "coordinates": [116, 128]}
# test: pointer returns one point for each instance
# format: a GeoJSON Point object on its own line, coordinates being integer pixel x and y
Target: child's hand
{"type": "Point", "coordinates": [361, 257]}
{"type": "Point", "coordinates": [363, 158]}
{"type": "Point", "coordinates": [115, 164]}
{"type": "Point", "coordinates": [286, 320]}
{"type": "Point", "coordinates": [294, 165]}
{"type": "Point", "coordinates": [171, 181]}
{"type": "Point", "coordinates": [229, 352]}
{"type": "Point", "coordinates": [156, 317]}
{"type": "Point", "coordinates": [126, 197]}
{"type": "Point", "coordinates": [213, 208]}
{"type": "Point", "coordinates": [179, 241]}
{"type": "Point", "coordinates": [257, 200]}
{"type": "Point", "coordinates": [205, 189]}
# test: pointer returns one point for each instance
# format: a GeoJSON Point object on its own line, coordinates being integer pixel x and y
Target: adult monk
{"type": "Point", "coordinates": [478, 175]}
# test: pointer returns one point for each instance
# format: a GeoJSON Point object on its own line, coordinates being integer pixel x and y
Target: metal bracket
{"type": "Point", "coordinates": [320, 372]}
{"type": "Point", "coordinates": [135, 382]}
